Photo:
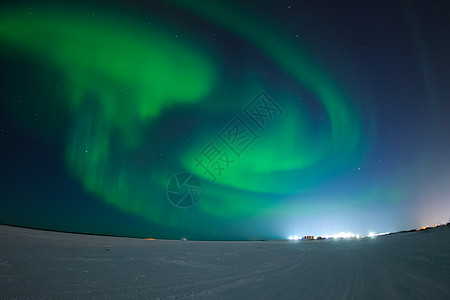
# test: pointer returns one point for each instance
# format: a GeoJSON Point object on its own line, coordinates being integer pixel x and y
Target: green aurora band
{"type": "Point", "coordinates": [294, 149]}
{"type": "Point", "coordinates": [123, 76]}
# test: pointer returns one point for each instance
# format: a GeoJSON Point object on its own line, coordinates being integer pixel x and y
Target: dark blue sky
{"type": "Point", "coordinates": [324, 117]}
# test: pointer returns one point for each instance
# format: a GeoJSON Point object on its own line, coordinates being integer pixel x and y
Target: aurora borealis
{"type": "Point", "coordinates": [102, 104]}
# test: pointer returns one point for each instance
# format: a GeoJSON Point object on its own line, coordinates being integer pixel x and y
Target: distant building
{"type": "Point", "coordinates": [308, 237]}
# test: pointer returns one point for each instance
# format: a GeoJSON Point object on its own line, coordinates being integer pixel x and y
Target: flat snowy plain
{"type": "Point", "coordinates": [36, 264]}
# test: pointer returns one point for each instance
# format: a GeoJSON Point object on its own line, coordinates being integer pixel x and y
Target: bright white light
{"type": "Point", "coordinates": [290, 238]}
{"type": "Point", "coordinates": [383, 233]}
{"type": "Point", "coordinates": [295, 238]}
{"type": "Point", "coordinates": [346, 235]}
{"type": "Point", "coordinates": [341, 235]}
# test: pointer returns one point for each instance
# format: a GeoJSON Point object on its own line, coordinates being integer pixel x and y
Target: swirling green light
{"type": "Point", "coordinates": [294, 149]}
{"type": "Point", "coordinates": [120, 75]}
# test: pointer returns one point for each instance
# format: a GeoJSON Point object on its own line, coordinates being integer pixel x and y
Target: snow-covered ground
{"type": "Point", "coordinates": [40, 264]}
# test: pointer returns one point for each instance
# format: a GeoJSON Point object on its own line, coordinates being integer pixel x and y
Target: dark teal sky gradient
{"type": "Point", "coordinates": [103, 102]}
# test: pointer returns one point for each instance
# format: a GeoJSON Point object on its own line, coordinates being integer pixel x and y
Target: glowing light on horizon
{"type": "Point", "coordinates": [343, 235]}
{"type": "Point", "coordinates": [383, 233]}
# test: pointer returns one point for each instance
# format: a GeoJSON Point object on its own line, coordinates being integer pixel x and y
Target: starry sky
{"type": "Point", "coordinates": [224, 119]}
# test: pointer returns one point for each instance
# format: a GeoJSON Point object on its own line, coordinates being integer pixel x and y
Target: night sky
{"type": "Point", "coordinates": [225, 119]}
